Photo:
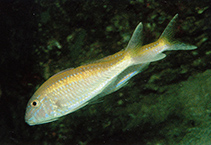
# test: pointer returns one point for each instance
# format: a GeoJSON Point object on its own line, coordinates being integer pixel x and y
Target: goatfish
{"type": "Point", "coordinates": [72, 89]}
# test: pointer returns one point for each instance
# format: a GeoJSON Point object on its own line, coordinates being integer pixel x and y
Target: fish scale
{"type": "Point", "coordinates": [71, 89]}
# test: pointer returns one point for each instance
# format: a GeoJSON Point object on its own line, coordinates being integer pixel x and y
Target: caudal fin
{"type": "Point", "coordinates": [153, 51]}
{"type": "Point", "coordinates": [168, 37]}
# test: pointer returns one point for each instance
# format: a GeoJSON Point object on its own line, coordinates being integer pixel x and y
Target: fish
{"type": "Point", "coordinates": [74, 88]}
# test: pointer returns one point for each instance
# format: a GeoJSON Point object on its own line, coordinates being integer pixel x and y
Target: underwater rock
{"type": "Point", "coordinates": [197, 95]}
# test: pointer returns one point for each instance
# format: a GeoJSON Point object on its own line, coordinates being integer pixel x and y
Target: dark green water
{"type": "Point", "coordinates": [168, 103]}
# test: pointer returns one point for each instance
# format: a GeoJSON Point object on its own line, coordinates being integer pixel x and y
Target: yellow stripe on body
{"type": "Point", "coordinates": [72, 88]}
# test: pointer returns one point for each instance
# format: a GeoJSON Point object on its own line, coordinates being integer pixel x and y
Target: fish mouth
{"type": "Point", "coordinates": [31, 122]}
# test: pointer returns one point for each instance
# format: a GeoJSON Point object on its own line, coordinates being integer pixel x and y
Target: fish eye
{"type": "Point", "coordinates": [34, 103]}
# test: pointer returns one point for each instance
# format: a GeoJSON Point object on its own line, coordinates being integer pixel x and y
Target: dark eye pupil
{"type": "Point", "coordinates": [34, 103]}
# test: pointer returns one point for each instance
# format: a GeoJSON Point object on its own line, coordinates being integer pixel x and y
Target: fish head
{"type": "Point", "coordinates": [40, 110]}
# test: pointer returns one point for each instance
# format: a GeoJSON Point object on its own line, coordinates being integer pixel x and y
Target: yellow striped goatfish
{"type": "Point", "coordinates": [71, 89]}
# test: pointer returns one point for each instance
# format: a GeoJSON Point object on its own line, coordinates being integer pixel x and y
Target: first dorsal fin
{"type": "Point", "coordinates": [137, 38]}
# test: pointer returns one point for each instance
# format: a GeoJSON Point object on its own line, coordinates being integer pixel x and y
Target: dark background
{"type": "Point", "coordinates": [169, 103]}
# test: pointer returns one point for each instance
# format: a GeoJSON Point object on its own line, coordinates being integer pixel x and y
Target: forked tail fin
{"type": "Point", "coordinates": [168, 37]}
{"type": "Point", "coordinates": [153, 52]}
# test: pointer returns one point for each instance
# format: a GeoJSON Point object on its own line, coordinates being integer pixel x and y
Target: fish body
{"type": "Point", "coordinates": [71, 89]}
